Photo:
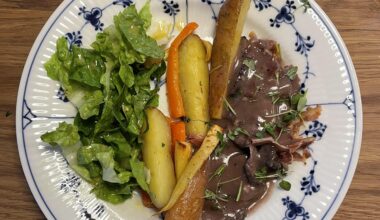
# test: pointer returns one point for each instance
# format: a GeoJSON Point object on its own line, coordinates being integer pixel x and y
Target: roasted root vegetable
{"type": "Point", "coordinates": [156, 153]}
{"type": "Point", "coordinates": [174, 94]}
{"type": "Point", "coordinates": [194, 85]}
{"type": "Point", "coordinates": [178, 132]}
{"type": "Point", "coordinates": [210, 142]}
{"type": "Point", "coordinates": [190, 204]}
{"type": "Point", "coordinates": [182, 154]}
{"type": "Point", "coordinates": [208, 47]}
{"type": "Point", "coordinates": [226, 43]}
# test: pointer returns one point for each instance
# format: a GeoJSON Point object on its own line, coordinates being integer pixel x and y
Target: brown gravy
{"type": "Point", "coordinates": [248, 96]}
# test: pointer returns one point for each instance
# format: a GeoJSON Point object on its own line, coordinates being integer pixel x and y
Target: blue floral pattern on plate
{"type": "Point", "coordinates": [172, 9]}
{"type": "Point", "coordinates": [93, 17]}
{"type": "Point", "coordinates": [316, 129]}
{"type": "Point", "coordinates": [211, 5]}
{"type": "Point", "coordinates": [74, 38]}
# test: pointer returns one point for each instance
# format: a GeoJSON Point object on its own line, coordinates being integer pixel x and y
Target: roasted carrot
{"type": "Point", "coordinates": [172, 76]}
{"type": "Point", "coordinates": [178, 133]}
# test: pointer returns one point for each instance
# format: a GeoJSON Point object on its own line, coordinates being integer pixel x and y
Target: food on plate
{"type": "Point", "coordinates": [226, 43]}
{"type": "Point", "coordinates": [263, 105]}
{"type": "Point", "coordinates": [111, 88]}
{"type": "Point", "coordinates": [178, 131]}
{"type": "Point", "coordinates": [156, 152]}
{"type": "Point", "coordinates": [172, 74]}
{"type": "Point", "coordinates": [208, 145]}
{"type": "Point", "coordinates": [182, 154]}
{"type": "Point", "coordinates": [230, 134]}
{"type": "Point", "coordinates": [190, 204]}
{"type": "Point", "coordinates": [194, 85]}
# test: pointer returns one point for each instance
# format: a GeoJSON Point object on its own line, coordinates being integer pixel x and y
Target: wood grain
{"type": "Point", "coordinates": [357, 21]}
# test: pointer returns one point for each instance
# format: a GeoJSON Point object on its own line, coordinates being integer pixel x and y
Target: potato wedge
{"type": "Point", "coordinates": [194, 85]}
{"type": "Point", "coordinates": [190, 204]}
{"type": "Point", "coordinates": [226, 43]}
{"type": "Point", "coordinates": [182, 154]}
{"type": "Point", "coordinates": [156, 153]}
{"type": "Point", "coordinates": [209, 144]}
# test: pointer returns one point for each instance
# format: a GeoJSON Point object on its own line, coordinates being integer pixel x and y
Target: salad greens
{"type": "Point", "coordinates": [111, 86]}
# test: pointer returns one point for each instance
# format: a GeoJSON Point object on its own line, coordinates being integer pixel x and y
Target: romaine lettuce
{"type": "Point", "coordinates": [110, 85]}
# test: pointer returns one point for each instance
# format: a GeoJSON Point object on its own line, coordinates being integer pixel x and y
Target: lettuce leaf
{"type": "Point", "coordinates": [65, 135]}
{"type": "Point", "coordinates": [113, 193]}
{"type": "Point", "coordinates": [108, 166]}
{"type": "Point", "coordinates": [146, 15]}
{"type": "Point", "coordinates": [117, 138]}
{"type": "Point", "coordinates": [86, 99]}
{"type": "Point", "coordinates": [133, 29]}
{"type": "Point", "coordinates": [56, 71]}
{"type": "Point", "coordinates": [88, 154]}
{"type": "Point", "coordinates": [138, 170]}
{"type": "Point", "coordinates": [87, 67]}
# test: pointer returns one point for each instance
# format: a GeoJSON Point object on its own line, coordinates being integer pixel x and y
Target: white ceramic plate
{"type": "Point", "coordinates": [308, 40]}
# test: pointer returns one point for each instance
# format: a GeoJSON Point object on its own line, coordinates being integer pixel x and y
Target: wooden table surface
{"type": "Point", "coordinates": [357, 21]}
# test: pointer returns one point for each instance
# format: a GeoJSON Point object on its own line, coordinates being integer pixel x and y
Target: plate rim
{"type": "Point", "coordinates": [355, 151]}
{"type": "Point", "coordinates": [19, 108]}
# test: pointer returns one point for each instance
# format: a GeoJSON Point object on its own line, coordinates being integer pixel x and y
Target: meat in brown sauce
{"type": "Point", "coordinates": [257, 87]}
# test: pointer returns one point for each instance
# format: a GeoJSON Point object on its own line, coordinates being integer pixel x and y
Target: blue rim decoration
{"type": "Point", "coordinates": [211, 4]}
{"type": "Point", "coordinates": [171, 8]}
{"type": "Point", "coordinates": [70, 184]}
{"type": "Point", "coordinates": [316, 129]}
{"type": "Point", "coordinates": [285, 15]}
{"type": "Point", "coordinates": [309, 186]}
{"type": "Point", "coordinates": [93, 17]}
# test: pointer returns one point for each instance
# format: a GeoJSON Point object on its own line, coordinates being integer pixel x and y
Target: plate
{"type": "Point", "coordinates": [308, 39]}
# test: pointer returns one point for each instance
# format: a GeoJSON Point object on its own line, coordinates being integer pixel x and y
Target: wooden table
{"type": "Point", "coordinates": [357, 21]}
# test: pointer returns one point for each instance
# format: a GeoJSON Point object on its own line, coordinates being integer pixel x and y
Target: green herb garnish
{"type": "Point", "coordinates": [222, 143]}
{"type": "Point", "coordinates": [219, 171]}
{"type": "Point", "coordinates": [306, 5]}
{"type": "Point", "coordinates": [292, 72]}
{"type": "Point", "coordinates": [301, 103]}
{"type": "Point", "coordinates": [228, 181]}
{"type": "Point", "coordinates": [273, 93]}
{"type": "Point", "coordinates": [250, 64]}
{"type": "Point", "coordinates": [252, 67]}
{"type": "Point", "coordinates": [210, 195]}
{"type": "Point", "coordinates": [267, 128]}
{"type": "Point", "coordinates": [262, 175]}
{"type": "Point", "coordinates": [231, 135]}
{"type": "Point", "coordinates": [234, 133]}
{"type": "Point", "coordinates": [229, 107]}
{"type": "Point", "coordinates": [239, 191]}
{"type": "Point", "coordinates": [275, 100]}
{"type": "Point", "coordinates": [285, 185]}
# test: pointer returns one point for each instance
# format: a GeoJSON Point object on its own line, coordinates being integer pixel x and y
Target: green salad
{"type": "Point", "coordinates": [111, 84]}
